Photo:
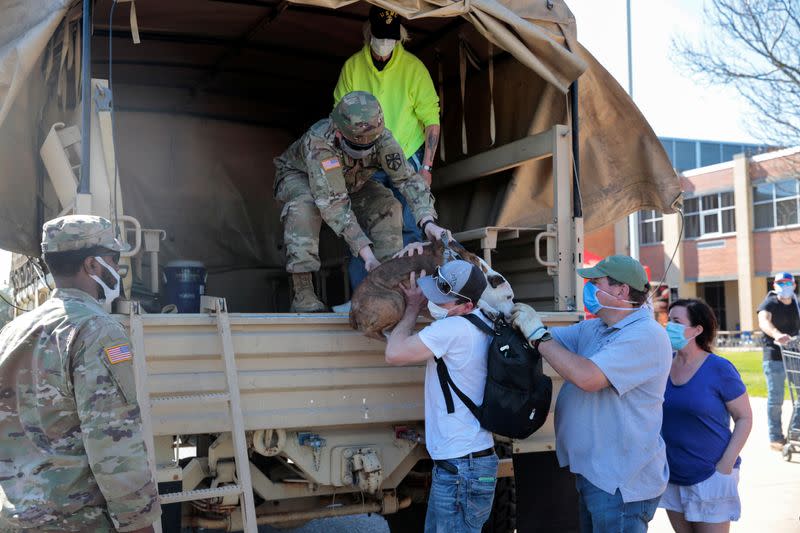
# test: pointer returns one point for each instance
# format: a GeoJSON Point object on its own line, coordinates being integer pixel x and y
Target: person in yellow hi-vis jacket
{"type": "Point", "coordinates": [405, 90]}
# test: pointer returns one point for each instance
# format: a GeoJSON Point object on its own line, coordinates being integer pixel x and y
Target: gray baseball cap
{"type": "Point", "coordinates": [452, 280]}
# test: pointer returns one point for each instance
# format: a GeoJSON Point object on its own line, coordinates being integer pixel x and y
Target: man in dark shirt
{"type": "Point", "coordinates": [779, 319]}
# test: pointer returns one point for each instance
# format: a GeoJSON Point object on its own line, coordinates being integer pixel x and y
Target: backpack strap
{"type": "Point", "coordinates": [478, 323]}
{"type": "Point", "coordinates": [446, 383]}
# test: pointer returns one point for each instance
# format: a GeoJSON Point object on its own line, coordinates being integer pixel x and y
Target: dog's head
{"type": "Point", "coordinates": [498, 297]}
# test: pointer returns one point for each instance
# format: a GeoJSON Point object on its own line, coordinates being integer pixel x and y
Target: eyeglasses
{"type": "Point", "coordinates": [445, 287]}
{"type": "Point", "coordinates": [114, 257]}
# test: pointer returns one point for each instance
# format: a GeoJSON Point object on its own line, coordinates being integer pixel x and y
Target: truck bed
{"type": "Point", "coordinates": [295, 372]}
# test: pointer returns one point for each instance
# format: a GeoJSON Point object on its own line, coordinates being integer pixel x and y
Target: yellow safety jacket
{"type": "Point", "coordinates": [404, 89]}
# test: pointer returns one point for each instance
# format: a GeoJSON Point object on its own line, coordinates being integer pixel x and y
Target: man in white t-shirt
{"type": "Point", "coordinates": [465, 465]}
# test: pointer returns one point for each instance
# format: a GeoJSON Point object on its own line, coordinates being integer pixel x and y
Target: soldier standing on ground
{"type": "Point", "coordinates": [72, 455]}
{"type": "Point", "coordinates": [325, 175]}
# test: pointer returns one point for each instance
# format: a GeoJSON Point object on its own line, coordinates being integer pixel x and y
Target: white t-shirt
{"type": "Point", "coordinates": [464, 349]}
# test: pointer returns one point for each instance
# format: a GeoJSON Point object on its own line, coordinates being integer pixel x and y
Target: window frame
{"type": "Point", "coordinates": [774, 202]}
{"type": "Point", "coordinates": [702, 213]}
{"type": "Point", "coordinates": [656, 219]}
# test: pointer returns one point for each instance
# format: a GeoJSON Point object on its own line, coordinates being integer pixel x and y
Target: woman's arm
{"type": "Point", "coordinates": [739, 409]}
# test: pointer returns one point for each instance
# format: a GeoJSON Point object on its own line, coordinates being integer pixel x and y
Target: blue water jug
{"type": "Point", "coordinates": [184, 283]}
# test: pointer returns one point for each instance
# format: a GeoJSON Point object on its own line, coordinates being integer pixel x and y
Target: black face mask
{"type": "Point", "coordinates": [354, 150]}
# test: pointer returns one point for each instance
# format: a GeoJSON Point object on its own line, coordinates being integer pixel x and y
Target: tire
{"type": "Point", "coordinates": [787, 452]}
{"type": "Point", "coordinates": [503, 518]}
{"type": "Point", "coordinates": [408, 520]}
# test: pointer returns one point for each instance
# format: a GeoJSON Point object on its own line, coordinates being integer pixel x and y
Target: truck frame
{"type": "Point", "coordinates": [278, 418]}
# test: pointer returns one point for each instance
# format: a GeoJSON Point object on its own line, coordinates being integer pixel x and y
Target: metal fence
{"type": "Point", "coordinates": [740, 339]}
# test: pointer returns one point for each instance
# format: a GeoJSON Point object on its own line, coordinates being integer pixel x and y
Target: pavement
{"type": "Point", "coordinates": [769, 488]}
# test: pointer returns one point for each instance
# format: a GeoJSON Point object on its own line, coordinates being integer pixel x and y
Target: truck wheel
{"type": "Point", "coordinates": [411, 518]}
{"type": "Point", "coordinates": [504, 508]}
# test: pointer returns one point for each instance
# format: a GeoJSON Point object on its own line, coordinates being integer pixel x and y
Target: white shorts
{"type": "Point", "coordinates": [712, 501]}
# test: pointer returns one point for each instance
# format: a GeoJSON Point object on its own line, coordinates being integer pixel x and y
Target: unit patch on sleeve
{"type": "Point", "coordinates": [393, 161]}
{"type": "Point", "coordinates": [119, 353]}
{"type": "Point", "coordinates": [330, 164]}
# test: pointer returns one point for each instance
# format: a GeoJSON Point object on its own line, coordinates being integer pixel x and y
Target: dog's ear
{"type": "Point", "coordinates": [483, 265]}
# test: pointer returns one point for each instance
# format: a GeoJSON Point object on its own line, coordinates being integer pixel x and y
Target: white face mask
{"type": "Point", "coordinates": [437, 312]}
{"type": "Point", "coordinates": [109, 294]}
{"type": "Point", "coordinates": [382, 47]}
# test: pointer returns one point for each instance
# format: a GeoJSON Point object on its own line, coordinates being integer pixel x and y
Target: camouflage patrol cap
{"type": "Point", "coordinates": [78, 232]}
{"type": "Point", "coordinates": [359, 117]}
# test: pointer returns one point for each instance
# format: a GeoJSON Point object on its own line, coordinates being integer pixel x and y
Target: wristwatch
{"type": "Point", "coordinates": [426, 167]}
{"type": "Point", "coordinates": [544, 338]}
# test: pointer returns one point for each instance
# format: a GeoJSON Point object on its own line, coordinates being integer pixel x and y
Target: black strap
{"type": "Point", "coordinates": [480, 324]}
{"type": "Point", "coordinates": [446, 381]}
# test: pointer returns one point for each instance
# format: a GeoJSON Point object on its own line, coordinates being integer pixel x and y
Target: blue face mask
{"type": "Point", "coordinates": [592, 304]}
{"type": "Point", "coordinates": [677, 335]}
{"type": "Point", "coordinates": [784, 290]}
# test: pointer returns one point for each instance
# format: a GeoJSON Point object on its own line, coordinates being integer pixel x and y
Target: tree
{"type": "Point", "coordinates": [6, 311]}
{"type": "Point", "coordinates": [754, 46]}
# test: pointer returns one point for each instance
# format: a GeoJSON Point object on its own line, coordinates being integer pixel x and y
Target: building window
{"type": "Point", "coordinates": [714, 295]}
{"type": "Point", "coordinates": [651, 229]}
{"type": "Point", "coordinates": [710, 214]}
{"type": "Point", "coordinates": [775, 205]}
{"type": "Point", "coordinates": [685, 155]}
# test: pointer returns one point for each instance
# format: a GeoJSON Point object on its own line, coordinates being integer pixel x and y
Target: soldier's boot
{"type": "Point", "coordinates": [305, 300]}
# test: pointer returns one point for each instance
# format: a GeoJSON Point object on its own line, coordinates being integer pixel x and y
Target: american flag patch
{"type": "Point", "coordinates": [330, 164]}
{"type": "Point", "coordinates": [119, 353]}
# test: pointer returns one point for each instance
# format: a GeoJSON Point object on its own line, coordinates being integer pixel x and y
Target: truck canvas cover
{"type": "Point", "coordinates": [216, 89]}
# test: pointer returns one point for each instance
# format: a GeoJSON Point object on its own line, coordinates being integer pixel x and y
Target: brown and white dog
{"type": "Point", "coordinates": [378, 303]}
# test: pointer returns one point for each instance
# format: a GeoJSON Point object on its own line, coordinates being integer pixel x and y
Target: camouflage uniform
{"type": "Point", "coordinates": [316, 180]}
{"type": "Point", "coordinates": [72, 456]}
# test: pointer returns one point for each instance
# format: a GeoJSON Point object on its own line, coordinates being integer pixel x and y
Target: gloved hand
{"type": "Point", "coordinates": [526, 319]}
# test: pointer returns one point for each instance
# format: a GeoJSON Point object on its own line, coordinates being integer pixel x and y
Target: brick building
{"type": "Point", "coordinates": [741, 228]}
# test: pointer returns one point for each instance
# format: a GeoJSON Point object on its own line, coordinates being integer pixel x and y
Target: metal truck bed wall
{"type": "Point", "coordinates": [295, 372]}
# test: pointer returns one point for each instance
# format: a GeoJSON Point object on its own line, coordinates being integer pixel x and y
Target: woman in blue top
{"type": "Point", "coordinates": [704, 391]}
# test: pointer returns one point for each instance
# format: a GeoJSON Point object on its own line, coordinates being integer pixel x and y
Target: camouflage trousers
{"type": "Point", "coordinates": [86, 519]}
{"type": "Point", "coordinates": [377, 210]}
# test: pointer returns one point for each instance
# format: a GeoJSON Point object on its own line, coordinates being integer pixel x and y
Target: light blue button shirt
{"type": "Point", "coordinates": [612, 437]}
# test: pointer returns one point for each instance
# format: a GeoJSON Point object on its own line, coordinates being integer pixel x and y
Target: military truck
{"type": "Point", "coordinates": [165, 116]}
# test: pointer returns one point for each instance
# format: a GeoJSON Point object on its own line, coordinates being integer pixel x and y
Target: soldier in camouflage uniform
{"type": "Point", "coordinates": [325, 175]}
{"type": "Point", "coordinates": [72, 456]}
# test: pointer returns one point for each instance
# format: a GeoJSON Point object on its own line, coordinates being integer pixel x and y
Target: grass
{"type": "Point", "coordinates": [749, 366]}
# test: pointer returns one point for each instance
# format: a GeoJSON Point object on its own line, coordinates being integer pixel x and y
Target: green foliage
{"type": "Point", "coordinates": [6, 312]}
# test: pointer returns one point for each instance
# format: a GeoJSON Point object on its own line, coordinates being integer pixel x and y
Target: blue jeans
{"type": "Point", "coordinates": [462, 502]}
{"type": "Point", "coordinates": [601, 512]}
{"type": "Point", "coordinates": [776, 377]}
{"type": "Point", "coordinates": [411, 232]}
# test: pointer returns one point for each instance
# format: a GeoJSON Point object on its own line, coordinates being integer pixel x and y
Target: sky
{"type": "Point", "coordinates": [674, 103]}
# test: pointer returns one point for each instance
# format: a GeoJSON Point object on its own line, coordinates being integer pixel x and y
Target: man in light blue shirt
{"type": "Point", "coordinates": [608, 413]}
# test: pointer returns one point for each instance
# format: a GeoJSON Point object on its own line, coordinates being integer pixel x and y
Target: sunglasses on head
{"type": "Point", "coordinates": [445, 287]}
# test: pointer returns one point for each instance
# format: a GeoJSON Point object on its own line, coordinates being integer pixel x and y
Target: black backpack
{"type": "Point", "coordinates": [517, 395]}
